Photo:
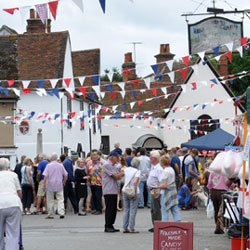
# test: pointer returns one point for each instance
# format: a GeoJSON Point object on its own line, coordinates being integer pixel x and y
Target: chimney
{"type": "Point", "coordinates": [223, 66]}
{"type": "Point", "coordinates": [165, 54]}
{"type": "Point", "coordinates": [35, 24]}
{"type": "Point", "coordinates": [129, 65]}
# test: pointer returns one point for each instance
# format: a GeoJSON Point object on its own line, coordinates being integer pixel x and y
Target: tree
{"type": "Point", "coordinates": [117, 76]}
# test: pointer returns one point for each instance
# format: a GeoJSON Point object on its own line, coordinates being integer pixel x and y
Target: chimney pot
{"type": "Point", "coordinates": [162, 49]}
{"type": "Point", "coordinates": [128, 57]}
{"type": "Point", "coordinates": [32, 13]}
{"type": "Point", "coordinates": [167, 48]}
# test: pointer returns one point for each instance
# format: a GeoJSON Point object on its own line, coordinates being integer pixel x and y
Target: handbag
{"type": "Point", "coordinates": [127, 190]}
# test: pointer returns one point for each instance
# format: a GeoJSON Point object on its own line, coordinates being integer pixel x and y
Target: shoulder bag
{"type": "Point", "coordinates": [127, 190]}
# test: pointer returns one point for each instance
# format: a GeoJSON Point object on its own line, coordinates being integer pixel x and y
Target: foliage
{"type": "Point", "coordinates": [117, 76]}
{"type": "Point", "coordinates": [239, 86]}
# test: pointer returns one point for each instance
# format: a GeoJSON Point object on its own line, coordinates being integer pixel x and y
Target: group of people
{"type": "Point", "coordinates": [164, 181]}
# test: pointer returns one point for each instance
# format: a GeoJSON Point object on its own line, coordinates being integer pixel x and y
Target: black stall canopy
{"type": "Point", "coordinates": [216, 140]}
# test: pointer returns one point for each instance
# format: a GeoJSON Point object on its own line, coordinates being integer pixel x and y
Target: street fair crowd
{"type": "Point", "coordinates": [163, 180]}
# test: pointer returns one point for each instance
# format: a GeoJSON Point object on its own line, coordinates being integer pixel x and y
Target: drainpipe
{"type": "Point", "coordinates": [90, 139]}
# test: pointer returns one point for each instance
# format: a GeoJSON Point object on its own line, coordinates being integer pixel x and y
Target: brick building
{"type": "Point", "coordinates": [42, 54]}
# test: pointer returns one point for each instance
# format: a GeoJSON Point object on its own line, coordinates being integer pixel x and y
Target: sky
{"type": "Point", "coordinates": [150, 22]}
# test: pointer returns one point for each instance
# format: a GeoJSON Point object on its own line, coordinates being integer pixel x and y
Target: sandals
{"type": "Point", "coordinates": [134, 231]}
{"type": "Point", "coordinates": [126, 231]}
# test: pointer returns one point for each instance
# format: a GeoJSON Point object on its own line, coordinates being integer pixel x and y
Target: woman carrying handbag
{"type": "Point", "coordinates": [131, 196]}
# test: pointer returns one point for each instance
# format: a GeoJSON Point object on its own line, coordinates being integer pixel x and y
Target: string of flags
{"type": "Point", "coordinates": [42, 8]}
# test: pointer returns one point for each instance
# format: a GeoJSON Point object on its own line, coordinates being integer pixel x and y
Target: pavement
{"type": "Point", "coordinates": [87, 232]}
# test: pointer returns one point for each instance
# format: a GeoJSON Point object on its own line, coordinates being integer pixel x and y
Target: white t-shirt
{"type": "Point", "coordinates": [129, 172]}
{"type": "Point", "coordinates": [169, 174]}
{"type": "Point", "coordinates": [9, 184]}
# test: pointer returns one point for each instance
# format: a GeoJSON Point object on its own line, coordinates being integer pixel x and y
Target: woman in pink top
{"type": "Point", "coordinates": [217, 184]}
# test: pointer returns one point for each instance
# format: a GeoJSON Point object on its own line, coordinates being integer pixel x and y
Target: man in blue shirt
{"type": "Point", "coordinates": [69, 191]}
{"type": "Point", "coordinates": [175, 164]}
{"type": "Point", "coordinates": [128, 156]}
{"type": "Point", "coordinates": [40, 179]}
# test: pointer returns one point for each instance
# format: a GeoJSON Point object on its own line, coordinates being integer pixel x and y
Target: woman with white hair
{"type": "Point", "coordinates": [132, 175]}
{"type": "Point", "coordinates": [10, 207]}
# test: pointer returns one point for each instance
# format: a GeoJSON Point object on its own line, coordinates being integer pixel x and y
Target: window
{"type": "Point", "coordinates": [69, 111]}
{"type": "Point", "coordinates": [204, 123]}
{"type": "Point", "coordinates": [82, 124]}
{"type": "Point", "coordinates": [93, 120]}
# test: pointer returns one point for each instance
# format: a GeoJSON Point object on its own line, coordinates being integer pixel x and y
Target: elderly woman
{"type": "Point", "coordinates": [169, 201]}
{"type": "Point", "coordinates": [132, 175]}
{"type": "Point", "coordinates": [28, 186]}
{"type": "Point", "coordinates": [10, 207]}
{"type": "Point", "coordinates": [81, 179]}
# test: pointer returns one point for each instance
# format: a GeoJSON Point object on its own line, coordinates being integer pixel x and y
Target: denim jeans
{"type": "Point", "coordinates": [165, 213]}
{"type": "Point", "coordinates": [141, 188]}
{"type": "Point", "coordinates": [130, 209]}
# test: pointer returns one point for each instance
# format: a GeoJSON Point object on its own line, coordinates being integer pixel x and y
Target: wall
{"type": "Point", "coordinates": [203, 94]}
{"type": "Point", "coordinates": [126, 135]}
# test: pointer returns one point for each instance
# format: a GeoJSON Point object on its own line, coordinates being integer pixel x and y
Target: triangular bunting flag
{"type": "Point", "coordinates": [147, 82]}
{"type": "Point", "coordinates": [16, 91]}
{"type": "Point", "coordinates": [11, 82]}
{"type": "Point", "coordinates": [196, 69]}
{"type": "Point", "coordinates": [24, 12]}
{"type": "Point", "coordinates": [183, 73]}
{"type": "Point", "coordinates": [53, 8]}
{"type": "Point", "coordinates": [91, 95]}
{"type": "Point", "coordinates": [229, 56]}
{"type": "Point", "coordinates": [56, 93]}
{"type": "Point", "coordinates": [110, 76]}
{"type": "Point", "coordinates": [123, 93]}
{"type": "Point", "coordinates": [102, 94]}
{"type": "Point", "coordinates": [140, 102]}
{"type": "Point", "coordinates": [79, 4]}
{"type": "Point", "coordinates": [154, 92]}
{"type": "Point", "coordinates": [133, 93]}
{"type": "Point", "coordinates": [240, 51]}
{"type": "Point", "coordinates": [170, 64]}
{"type": "Point", "coordinates": [201, 55]}
{"type": "Point", "coordinates": [194, 85]}
{"type": "Point", "coordinates": [42, 11]}
{"type": "Point", "coordinates": [26, 91]}
{"type": "Point", "coordinates": [112, 96]}
{"type": "Point", "coordinates": [96, 79]}
{"type": "Point", "coordinates": [132, 104]}
{"type": "Point", "coordinates": [230, 46]}
{"type": "Point", "coordinates": [11, 11]}
{"type": "Point", "coordinates": [83, 90]}
{"type": "Point", "coordinates": [81, 80]}
{"type": "Point", "coordinates": [40, 83]}
{"type": "Point", "coordinates": [243, 42]}
{"type": "Point", "coordinates": [155, 68]}
{"type": "Point", "coordinates": [71, 93]}
{"type": "Point", "coordinates": [184, 88]}
{"type": "Point", "coordinates": [67, 81]}
{"type": "Point", "coordinates": [171, 76]}
{"type": "Point", "coordinates": [103, 5]}
{"type": "Point", "coordinates": [97, 90]}
{"type": "Point", "coordinates": [109, 88]}
{"type": "Point", "coordinates": [53, 83]}
{"type": "Point", "coordinates": [123, 106]}
{"type": "Point", "coordinates": [216, 50]}
{"type": "Point", "coordinates": [164, 90]}
{"type": "Point", "coordinates": [122, 85]}
{"type": "Point", "coordinates": [185, 59]}
{"type": "Point", "coordinates": [26, 84]}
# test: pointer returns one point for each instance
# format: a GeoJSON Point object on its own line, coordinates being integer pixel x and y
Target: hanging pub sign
{"type": "Point", "coordinates": [213, 32]}
{"type": "Point", "coordinates": [24, 127]}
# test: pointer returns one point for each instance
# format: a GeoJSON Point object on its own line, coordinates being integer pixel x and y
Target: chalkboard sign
{"type": "Point", "coordinates": [173, 235]}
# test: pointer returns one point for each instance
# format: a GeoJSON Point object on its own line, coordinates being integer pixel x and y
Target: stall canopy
{"type": "Point", "coordinates": [216, 140]}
